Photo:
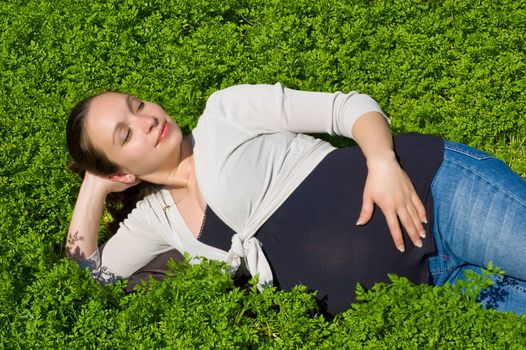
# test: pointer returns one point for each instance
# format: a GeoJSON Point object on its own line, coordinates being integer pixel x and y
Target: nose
{"type": "Point", "coordinates": [147, 124]}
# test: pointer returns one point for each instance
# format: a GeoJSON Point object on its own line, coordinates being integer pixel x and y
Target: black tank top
{"type": "Point", "coordinates": [312, 238]}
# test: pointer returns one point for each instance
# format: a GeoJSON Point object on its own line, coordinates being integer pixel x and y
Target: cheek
{"type": "Point", "coordinates": [178, 134]}
{"type": "Point", "coordinates": [137, 153]}
{"type": "Point", "coordinates": [131, 156]}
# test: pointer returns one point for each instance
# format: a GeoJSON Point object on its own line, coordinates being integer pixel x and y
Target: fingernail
{"type": "Point", "coordinates": [419, 243]}
{"type": "Point", "coordinates": [401, 248]}
{"type": "Point", "coordinates": [424, 220]}
{"type": "Point", "coordinates": [359, 222]}
{"type": "Point", "coordinates": [422, 234]}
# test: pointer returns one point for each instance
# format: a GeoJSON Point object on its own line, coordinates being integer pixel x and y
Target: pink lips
{"type": "Point", "coordinates": [164, 131]}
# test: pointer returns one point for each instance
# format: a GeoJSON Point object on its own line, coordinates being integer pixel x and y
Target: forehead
{"type": "Point", "coordinates": [108, 103]}
{"type": "Point", "coordinates": [107, 106]}
{"type": "Point", "coordinates": [103, 114]}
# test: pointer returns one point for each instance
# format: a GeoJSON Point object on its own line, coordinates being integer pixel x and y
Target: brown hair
{"type": "Point", "coordinates": [85, 157]}
{"type": "Point", "coordinates": [82, 151]}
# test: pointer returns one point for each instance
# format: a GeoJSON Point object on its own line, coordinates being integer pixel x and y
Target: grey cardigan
{"type": "Point", "coordinates": [251, 152]}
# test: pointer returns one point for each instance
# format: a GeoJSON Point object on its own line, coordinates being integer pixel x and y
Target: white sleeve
{"type": "Point", "coordinates": [135, 244]}
{"type": "Point", "coordinates": [276, 108]}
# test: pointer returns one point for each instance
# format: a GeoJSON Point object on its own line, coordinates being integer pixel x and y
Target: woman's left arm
{"type": "Point", "coordinates": [387, 184]}
{"type": "Point", "coordinates": [263, 108]}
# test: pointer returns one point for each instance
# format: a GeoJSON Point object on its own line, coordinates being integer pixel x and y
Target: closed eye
{"type": "Point", "coordinates": [128, 136]}
{"type": "Point", "coordinates": [140, 106]}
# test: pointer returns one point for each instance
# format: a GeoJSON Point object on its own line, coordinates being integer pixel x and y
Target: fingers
{"type": "Point", "coordinates": [421, 210]}
{"type": "Point", "coordinates": [409, 216]}
{"type": "Point", "coordinates": [412, 215]}
{"type": "Point", "coordinates": [367, 211]}
{"type": "Point", "coordinates": [414, 226]}
{"type": "Point", "coordinates": [409, 219]}
{"type": "Point", "coordinates": [396, 197]}
{"type": "Point", "coordinates": [396, 232]}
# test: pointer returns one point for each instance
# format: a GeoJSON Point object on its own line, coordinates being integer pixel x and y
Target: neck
{"type": "Point", "coordinates": [183, 175]}
{"type": "Point", "coordinates": [179, 175]}
{"type": "Point", "coordinates": [184, 184]}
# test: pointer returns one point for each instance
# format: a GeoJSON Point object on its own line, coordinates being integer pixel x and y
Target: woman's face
{"type": "Point", "coordinates": [137, 135]}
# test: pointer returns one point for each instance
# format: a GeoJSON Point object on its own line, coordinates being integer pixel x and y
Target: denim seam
{"type": "Point", "coordinates": [518, 289]}
{"type": "Point", "coordinates": [440, 271]}
{"type": "Point", "coordinates": [447, 268]}
{"type": "Point", "coordinates": [470, 152]}
{"type": "Point", "coordinates": [502, 279]}
{"type": "Point", "coordinates": [485, 178]}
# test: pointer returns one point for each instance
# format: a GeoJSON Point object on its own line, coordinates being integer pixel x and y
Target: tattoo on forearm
{"type": "Point", "coordinates": [72, 249]}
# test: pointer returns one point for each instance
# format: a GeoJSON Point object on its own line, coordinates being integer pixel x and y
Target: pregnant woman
{"type": "Point", "coordinates": [248, 186]}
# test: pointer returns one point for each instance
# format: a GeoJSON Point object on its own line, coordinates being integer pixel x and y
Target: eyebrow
{"type": "Point", "coordinates": [129, 100]}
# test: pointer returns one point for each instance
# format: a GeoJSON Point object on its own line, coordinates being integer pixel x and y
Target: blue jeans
{"type": "Point", "coordinates": [480, 216]}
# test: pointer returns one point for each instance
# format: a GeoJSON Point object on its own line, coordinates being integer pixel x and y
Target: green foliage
{"type": "Point", "coordinates": [403, 316]}
{"type": "Point", "coordinates": [451, 68]}
{"type": "Point", "coordinates": [199, 307]}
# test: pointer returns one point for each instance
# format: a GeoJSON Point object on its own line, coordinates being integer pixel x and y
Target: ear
{"type": "Point", "coordinates": [124, 178]}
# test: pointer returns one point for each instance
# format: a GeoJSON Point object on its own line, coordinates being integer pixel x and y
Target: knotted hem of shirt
{"type": "Point", "coordinates": [249, 252]}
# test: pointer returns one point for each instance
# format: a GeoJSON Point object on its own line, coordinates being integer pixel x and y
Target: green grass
{"type": "Point", "coordinates": [450, 68]}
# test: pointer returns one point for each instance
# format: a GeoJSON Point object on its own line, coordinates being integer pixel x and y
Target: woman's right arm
{"type": "Point", "coordinates": [84, 227]}
{"type": "Point", "coordinates": [136, 242]}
